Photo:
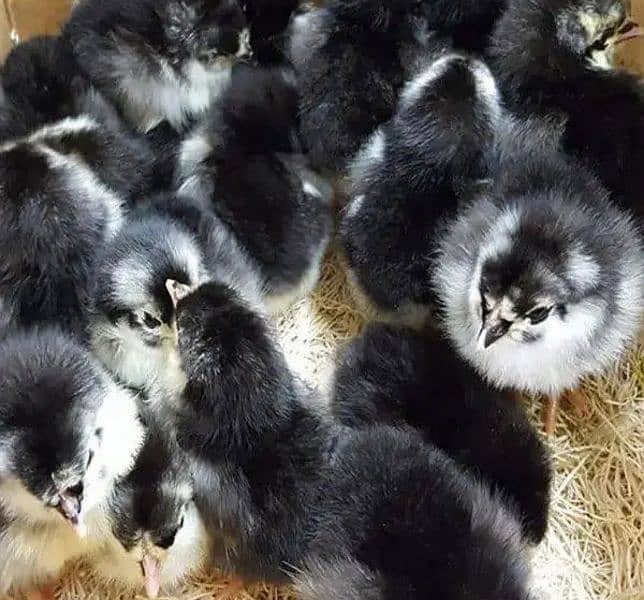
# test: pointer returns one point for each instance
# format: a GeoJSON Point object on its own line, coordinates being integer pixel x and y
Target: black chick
{"type": "Point", "coordinates": [258, 442]}
{"type": "Point", "coordinates": [159, 60]}
{"type": "Point", "coordinates": [393, 376]}
{"type": "Point", "coordinates": [59, 454]}
{"type": "Point", "coordinates": [55, 215]}
{"type": "Point", "coordinates": [549, 55]}
{"type": "Point", "coordinates": [246, 163]}
{"type": "Point", "coordinates": [351, 59]}
{"type": "Point", "coordinates": [400, 521]}
{"type": "Point", "coordinates": [47, 99]}
{"type": "Point", "coordinates": [40, 81]}
{"type": "Point", "coordinates": [132, 327]}
{"type": "Point", "coordinates": [410, 177]}
{"type": "Point", "coordinates": [158, 538]}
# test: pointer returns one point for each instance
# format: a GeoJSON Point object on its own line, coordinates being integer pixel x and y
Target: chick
{"type": "Point", "coordinates": [549, 55]}
{"type": "Point", "coordinates": [132, 330]}
{"type": "Point", "coordinates": [410, 177]}
{"type": "Point", "coordinates": [245, 161]}
{"type": "Point", "coordinates": [47, 99]}
{"type": "Point", "coordinates": [399, 520]}
{"type": "Point", "coordinates": [67, 432]}
{"type": "Point", "coordinates": [40, 80]}
{"type": "Point", "coordinates": [256, 437]}
{"type": "Point", "coordinates": [351, 59]}
{"type": "Point", "coordinates": [158, 538]}
{"type": "Point", "coordinates": [394, 376]}
{"type": "Point", "coordinates": [55, 215]}
{"type": "Point", "coordinates": [159, 60]}
{"type": "Point", "coordinates": [541, 278]}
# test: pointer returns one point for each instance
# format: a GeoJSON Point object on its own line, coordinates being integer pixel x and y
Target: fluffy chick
{"type": "Point", "coordinates": [351, 59]}
{"type": "Point", "coordinates": [256, 438]}
{"type": "Point", "coordinates": [245, 161]}
{"type": "Point", "coordinates": [394, 376]}
{"type": "Point", "coordinates": [55, 215]}
{"type": "Point", "coordinates": [541, 278]}
{"type": "Point", "coordinates": [159, 60]}
{"type": "Point", "coordinates": [67, 432]}
{"type": "Point", "coordinates": [47, 99]}
{"type": "Point", "coordinates": [158, 538]}
{"type": "Point", "coordinates": [548, 55]}
{"type": "Point", "coordinates": [40, 81]}
{"type": "Point", "coordinates": [399, 520]}
{"type": "Point", "coordinates": [133, 331]}
{"type": "Point", "coordinates": [410, 177]}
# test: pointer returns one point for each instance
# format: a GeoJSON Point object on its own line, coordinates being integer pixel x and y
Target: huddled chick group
{"type": "Point", "coordinates": [168, 170]}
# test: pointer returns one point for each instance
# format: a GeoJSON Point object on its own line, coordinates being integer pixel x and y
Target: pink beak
{"type": "Point", "coordinates": [152, 574]}
{"type": "Point", "coordinates": [628, 31]}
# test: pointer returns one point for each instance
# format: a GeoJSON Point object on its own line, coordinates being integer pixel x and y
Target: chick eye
{"type": "Point", "coordinates": [150, 321]}
{"type": "Point", "coordinates": [485, 309]}
{"type": "Point", "coordinates": [539, 315]}
{"type": "Point", "coordinates": [90, 458]}
{"type": "Point", "coordinates": [168, 540]}
{"type": "Point", "coordinates": [599, 44]}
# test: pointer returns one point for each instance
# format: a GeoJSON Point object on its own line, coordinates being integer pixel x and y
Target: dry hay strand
{"type": "Point", "coordinates": [594, 549]}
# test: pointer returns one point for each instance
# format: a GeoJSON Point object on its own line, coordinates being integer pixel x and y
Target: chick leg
{"type": "Point", "coordinates": [233, 589]}
{"type": "Point", "coordinates": [550, 413]}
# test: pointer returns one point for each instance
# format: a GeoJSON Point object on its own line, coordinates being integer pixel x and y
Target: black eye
{"type": "Point", "coordinates": [77, 490]}
{"type": "Point", "coordinates": [90, 458]}
{"type": "Point", "coordinates": [167, 540]}
{"type": "Point", "coordinates": [596, 46]}
{"type": "Point", "coordinates": [150, 321]}
{"type": "Point", "coordinates": [485, 309]}
{"type": "Point", "coordinates": [539, 315]}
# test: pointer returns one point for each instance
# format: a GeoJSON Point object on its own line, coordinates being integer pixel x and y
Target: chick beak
{"type": "Point", "coordinates": [628, 31]}
{"type": "Point", "coordinates": [69, 506]}
{"type": "Point", "coordinates": [151, 568]}
{"type": "Point", "coordinates": [494, 332]}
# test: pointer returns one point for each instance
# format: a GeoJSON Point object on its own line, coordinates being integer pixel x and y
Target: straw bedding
{"type": "Point", "coordinates": [595, 546]}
